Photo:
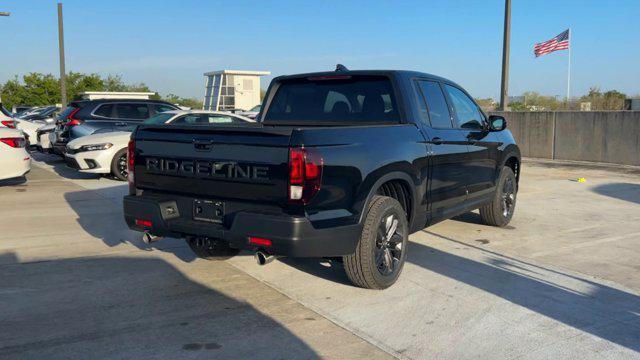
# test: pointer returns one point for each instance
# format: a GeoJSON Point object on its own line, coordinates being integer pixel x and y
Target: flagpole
{"type": "Point", "coordinates": [569, 68]}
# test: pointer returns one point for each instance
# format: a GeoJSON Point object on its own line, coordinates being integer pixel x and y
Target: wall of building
{"type": "Point", "coordinates": [600, 136]}
{"type": "Point", "coordinates": [247, 90]}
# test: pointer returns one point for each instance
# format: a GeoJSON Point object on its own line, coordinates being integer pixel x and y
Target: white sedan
{"type": "Point", "coordinates": [14, 159]}
{"type": "Point", "coordinates": [106, 153]}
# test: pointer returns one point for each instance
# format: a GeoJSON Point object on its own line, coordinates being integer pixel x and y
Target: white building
{"type": "Point", "coordinates": [93, 95]}
{"type": "Point", "coordinates": [232, 89]}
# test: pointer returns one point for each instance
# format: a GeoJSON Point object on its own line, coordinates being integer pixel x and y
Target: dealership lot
{"type": "Point", "coordinates": [562, 281]}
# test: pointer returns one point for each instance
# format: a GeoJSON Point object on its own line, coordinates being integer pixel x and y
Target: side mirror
{"type": "Point", "coordinates": [497, 123]}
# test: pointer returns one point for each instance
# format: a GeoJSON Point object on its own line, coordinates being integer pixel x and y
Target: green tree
{"type": "Point", "coordinates": [609, 100]}
{"type": "Point", "coordinates": [182, 101]}
{"type": "Point", "coordinates": [36, 89]}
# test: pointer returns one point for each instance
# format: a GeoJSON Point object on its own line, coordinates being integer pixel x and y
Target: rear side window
{"type": "Point", "coordinates": [132, 111]}
{"type": "Point", "coordinates": [104, 110]}
{"type": "Point", "coordinates": [334, 99]}
{"type": "Point", "coordinates": [437, 109]}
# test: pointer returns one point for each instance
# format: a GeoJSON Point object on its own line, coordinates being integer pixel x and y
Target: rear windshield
{"type": "Point", "coordinates": [334, 100]}
{"type": "Point", "coordinates": [64, 113]}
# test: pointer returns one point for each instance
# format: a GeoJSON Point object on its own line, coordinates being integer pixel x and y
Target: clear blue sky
{"type": "Point", "coordinates": [169, 44]}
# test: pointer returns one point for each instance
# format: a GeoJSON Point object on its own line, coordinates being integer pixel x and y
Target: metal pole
{"type": "Point", "coordinates": [504, 88]}
{"type": "Point", "coordinates": [569, 70]}
{"type": "Point", "coordinates": [4, 13]}
{"type": "Point", "coordinates": [63, 76]}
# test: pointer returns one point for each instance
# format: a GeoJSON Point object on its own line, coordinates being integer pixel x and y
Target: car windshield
{"type": "Point", "coordinates": [256, 108]}
{"type": "Point", "coordinates": [159, 119]}
{"type": "Point", "coordinates": [335, 99]}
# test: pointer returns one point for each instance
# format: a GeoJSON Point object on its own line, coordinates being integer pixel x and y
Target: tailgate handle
{"type": "Point", "coordinates": [203, 145]}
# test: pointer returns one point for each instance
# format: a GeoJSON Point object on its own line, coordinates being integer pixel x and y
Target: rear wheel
{"type": "Point", "coordinates": [211, 249]}
{"type": "Point", "coordinates": [119, 165]}
{"type": "Point", "coordinates": [381, 251]}
{"type": "Point", "coordinates": [500, 211]}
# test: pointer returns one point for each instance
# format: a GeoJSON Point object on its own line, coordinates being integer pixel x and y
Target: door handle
{"type": "Point", "coordinates": [436, 141]}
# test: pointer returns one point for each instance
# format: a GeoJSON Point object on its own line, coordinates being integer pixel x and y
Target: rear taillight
{"type": "Point", "coordinates": [72, 120]}
{"type": "Point", "coordinates": [131, 161]}
{"type": "Point", "coordinates": [305, 174]}
{"type": "Point", "coordinates": [14, 142]}
{"type": "Point", "coordinates": [9, 123]}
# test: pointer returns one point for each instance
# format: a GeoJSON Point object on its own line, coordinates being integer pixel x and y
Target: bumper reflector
{"type": "Point", "coordinates": [145, 223]}
{"type": "Point", "coordinates": [259, 241]}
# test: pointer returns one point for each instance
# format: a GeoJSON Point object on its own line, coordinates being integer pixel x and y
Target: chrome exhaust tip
{"type": "Point", "coordinates": [148, 237]}
{"type": "Point", "coordinates": [263, 258]}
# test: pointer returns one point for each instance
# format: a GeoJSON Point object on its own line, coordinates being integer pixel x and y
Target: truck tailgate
{"type": "Point", "coordinates": [237, 163]}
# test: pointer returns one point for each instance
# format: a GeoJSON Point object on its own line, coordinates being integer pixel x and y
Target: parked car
{"type": "Point", "coordinates": [44, 114]}
{"type": "Point", "coordinates": [343, 164]}
{"type": "Point", "coordinates": [251, 114]}
{"type": "Point", "coordinates": [6, 118]}
{"type": "Point", "coordinates": [43, 138]}
{"type": "Point", "coordinates": [14, 159]}
{"type": "Point", "coordinates": [106, 153]}
{"type": "Point", "coordinates": [103, 115]}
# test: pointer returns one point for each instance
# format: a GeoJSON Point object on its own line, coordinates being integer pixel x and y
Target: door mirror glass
{"type": "Point", "coordinates": [497, 123]}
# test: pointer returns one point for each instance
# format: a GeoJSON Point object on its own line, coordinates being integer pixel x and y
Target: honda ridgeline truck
{"type": "Point", "coordinates": [342, 164]}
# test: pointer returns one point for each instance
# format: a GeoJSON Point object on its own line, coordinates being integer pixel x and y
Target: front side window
{"type": "Point", "coordinates": [159, 119]}
{"type": "Point", "coordinates": [468, 115]}
{"type": "Point", "coordinates": [436, 111]}
{"type": "Point", "coordinates": [334, 99]}
{"type": "Point", "coordinates": [132, 111]}
{"type": "Point", "coordinates": [193, 119]}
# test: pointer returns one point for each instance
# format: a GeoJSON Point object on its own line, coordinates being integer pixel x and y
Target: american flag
{"type": "Point", "coordinates": [560, 42]}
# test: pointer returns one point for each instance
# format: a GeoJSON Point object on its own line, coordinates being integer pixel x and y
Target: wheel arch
{"type": "Point", "coordinates": [407, 195]}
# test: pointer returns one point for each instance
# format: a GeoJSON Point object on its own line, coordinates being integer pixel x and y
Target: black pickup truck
{"type": "Point", "coordinates": [342, 164]}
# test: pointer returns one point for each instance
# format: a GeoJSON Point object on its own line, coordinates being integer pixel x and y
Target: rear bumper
{"type": "Point", "coordinates": [293, 236]}
{"type": "Point", "coordinates": [58, 148]}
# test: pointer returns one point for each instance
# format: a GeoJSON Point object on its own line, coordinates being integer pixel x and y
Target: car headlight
{"type": "Point", "coordinates": [94, 147]}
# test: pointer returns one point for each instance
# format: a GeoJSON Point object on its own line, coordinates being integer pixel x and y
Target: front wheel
{"type": "Point", "coordinates": [381, 250]}
{"type": "Point", "coordinates": [211, 249]}
{"type": "Point", "coordinates": [119, 165]}
{"type": "Point", "coordinates": [500, 211]}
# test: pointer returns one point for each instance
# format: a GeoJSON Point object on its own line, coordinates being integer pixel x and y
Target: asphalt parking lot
{"type": "Point", "coordinates": [562, 281]}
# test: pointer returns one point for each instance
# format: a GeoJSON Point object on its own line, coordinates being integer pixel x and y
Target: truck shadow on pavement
{"type": "Point", "coordinates": [99, 213]}
{"type": "Point", "coordinates": [129, 307]}
{"type": "Point", "coordinates": [621, 191]}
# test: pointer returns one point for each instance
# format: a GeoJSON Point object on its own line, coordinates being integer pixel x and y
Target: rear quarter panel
{"type": "Point", "coordinates": [356, 158]}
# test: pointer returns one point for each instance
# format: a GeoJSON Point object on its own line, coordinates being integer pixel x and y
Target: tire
{"type": "Point", "coordinates": [116, 165]}
{"type": "Point", "coordinates": [368, 266]}
{"type": "Point", "coordinates": [500, 211]}
{"type": "Point", "coordinates": [211, 249]}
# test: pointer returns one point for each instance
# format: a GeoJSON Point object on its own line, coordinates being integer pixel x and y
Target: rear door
{"type": "Point", "coordinates": [447, 149]}
{"type": "Point", "coordinates": [482, 144]}
{"type": "Point", "coordinates": [130, 114]}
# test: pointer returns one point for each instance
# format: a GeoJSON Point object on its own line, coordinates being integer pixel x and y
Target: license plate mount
{"type": "Point", "coordinates": [208, 210]}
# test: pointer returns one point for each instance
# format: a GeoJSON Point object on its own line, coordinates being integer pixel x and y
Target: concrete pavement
{"type": "Point", "coordinates": [75, 283]}
{"type": "Point", "coordinates": [561, 281]}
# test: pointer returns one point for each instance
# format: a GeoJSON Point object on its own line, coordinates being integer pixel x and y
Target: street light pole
{"type": "Point", "coordinates": [63, 77]}
{"type": "Point", "coordinates": [504, 88]}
